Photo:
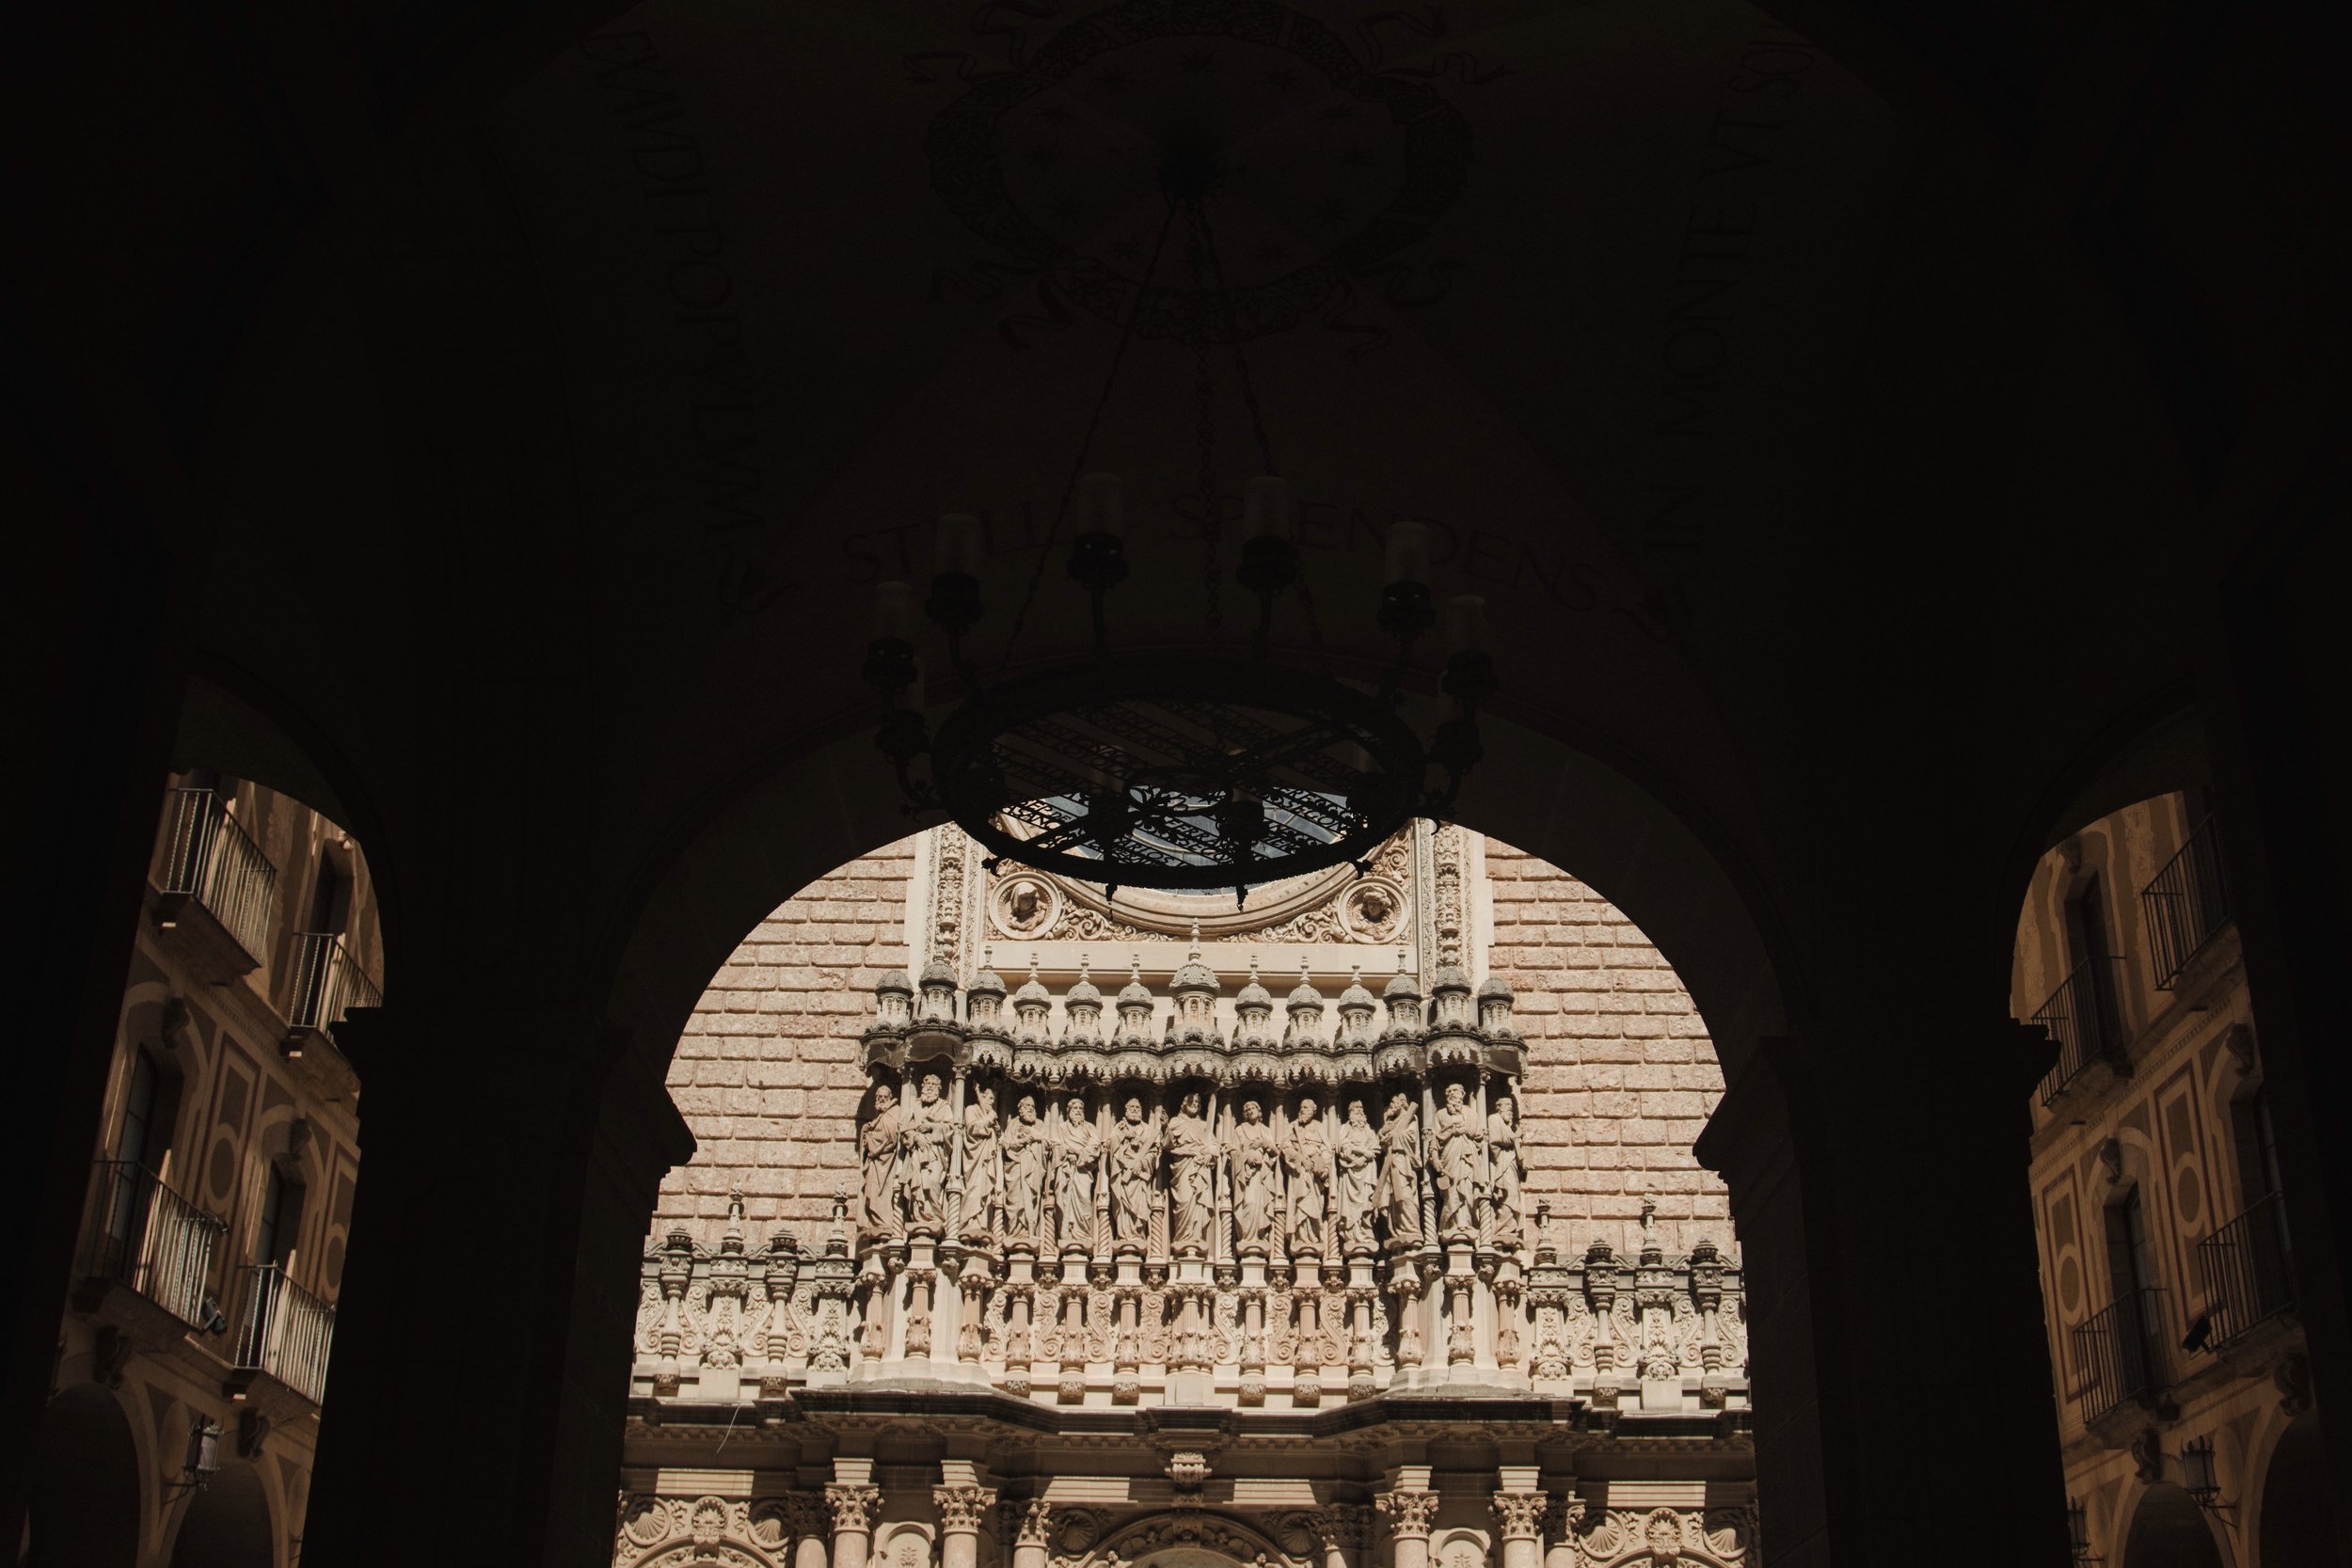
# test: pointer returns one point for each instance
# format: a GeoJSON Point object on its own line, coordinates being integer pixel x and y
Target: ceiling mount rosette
{"type": "Point", "coordinates": [1178, 773]}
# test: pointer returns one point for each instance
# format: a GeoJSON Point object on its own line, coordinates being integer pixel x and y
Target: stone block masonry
{"type": "Point", "coordinates": [1620, 1077]}
{"type": "Point", "coordinates": [1620, 1073]}
{"type": "Point", "coordinates": [767, 1072]}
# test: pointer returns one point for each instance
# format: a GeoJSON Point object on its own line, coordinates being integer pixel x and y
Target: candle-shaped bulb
{"type": "Point", "coordinates": [1099, 507]}
{"type": "Point", "coordinates": [894, 611]}
{"type": "Point", "coordinates": [1466, 624]}
{"type": "Point", "coordinates": [961, 543]}
{"type": "Point", "coordinates": [1266, 508]}
{"type": "Point", "coordinates": [1408, 551]}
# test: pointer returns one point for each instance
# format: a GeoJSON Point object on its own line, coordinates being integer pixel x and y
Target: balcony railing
{"type": "Point", "coordinates": [2185, 904]}
{"type": "Point", "coordinates": [209, 857]}
{"type": "Point", "coordinates": [155, 1240]}
{"type": "Point", "coordinates": [328, 982]}
{"type": "Point", "coordinates": [284, 1330]}
{"type": "Point", "coordinates": [2246, 1270]}
{"type": "Point", "coordinates": [2119, 1352]}
{"type": "Point", "coordinates": [2082, 1017]}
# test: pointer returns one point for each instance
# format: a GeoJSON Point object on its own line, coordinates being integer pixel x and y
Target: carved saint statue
{"type": "Point", "coordinates": [1454, 1156]}
{"type": "Point", "coordinates": [1356, 1153]}
{"type": "Point", "coordinates": [1077, 1155]}
{"type": "Point", "coordinates": [925, 1148]}
{"type": "Point", "coordinates": [1398, 1199]}
{"type": "Point", "coordinates": [1504, 1173]}
{"type": "Point", "coordinates": [1257, 1182]}
{"type": "Point", "coordinates": [1135, 1159]}
{"type": "Point", "coordinates": [980, 1200]}
{"type": "Point", "coordinates": [1026, 1150]}
{"type": "Point", "coordinates": [1191, 1178]}
{"type": "Point", "coordinates": [878, 1147]}
{"type": "Point", "coordinates": [1307, 1155]}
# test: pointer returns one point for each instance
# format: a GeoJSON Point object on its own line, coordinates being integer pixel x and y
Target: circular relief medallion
{"type": "Point", "coordinates": [1025, 904]}
{"type": "Point", "coordinates": [2070, 1286]}
{"type": "Point", "coordinates": [1374, 910]}
{"type": "Point", "coordinates": [2189, 1196]}
{"type": "Point", "coordinates": [1325, 167]}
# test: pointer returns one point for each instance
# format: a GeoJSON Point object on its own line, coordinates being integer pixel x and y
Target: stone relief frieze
{"type": "Point", "coordinates": [1631, 1538]}
{"type": "Point", "coordinates": [1338, 907]}
{"type": "Point", "coordinates": [733, 1532]}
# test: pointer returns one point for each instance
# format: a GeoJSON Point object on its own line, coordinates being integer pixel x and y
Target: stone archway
{"type": "Point", "coordinates": [2168, 1530]}
{"type": "Point", "coordinates": [86, 1505]}
{"type": "Point", "coordinates": [2296, 1519]}
{"type": "Point", "coordinates": [227, 1525]}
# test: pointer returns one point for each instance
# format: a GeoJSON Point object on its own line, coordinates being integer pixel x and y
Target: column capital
{"type": "Point", "coordinates": [1341, 1527]}
{"type": "Point", "coordinates": [962, 1506]}
{"type": "Point", "coordinates": [853, 1505]}
{"type": "Point", "coordinates": [805, 1513]}
{"type": "Point", "coordinates": [1520, 1515]}
{"type": "Point", "coordinates": [1035, 1527]}
{"type": "Point", "coordinates": [1409, 1511]}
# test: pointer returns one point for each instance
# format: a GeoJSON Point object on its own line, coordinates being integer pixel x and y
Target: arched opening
{"type": "Point", "coordinates": [88, 1501]}
{"type": "Point", "coordinates": [2166, 1258]}
{"type": "Point", "coordinates": [2297, 1520]}
{"type": "Point", "coordinates": [227, 1524]}
{"type": "Point", "coordinates": [996, 1142]}
{"type": "Point", "coordinates": [212, 1242]}
{"type": "Point", "coordinates": [2169, 1530]}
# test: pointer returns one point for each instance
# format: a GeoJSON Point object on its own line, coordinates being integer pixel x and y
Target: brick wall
{"type": "Point", "coordinates": [766, 1073]}
{"type": "Point", "coordinates": [1621, 1075]}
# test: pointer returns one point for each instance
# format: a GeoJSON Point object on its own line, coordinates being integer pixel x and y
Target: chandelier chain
{"type": "Point", "coordinates": [1233, 337]}
{"type": "Point", "coordinates": [1085, 442]}
{"type": "Point", "coordinates": [1250, 400]}
{"type": "Point", "coordinates": [1197, 257]}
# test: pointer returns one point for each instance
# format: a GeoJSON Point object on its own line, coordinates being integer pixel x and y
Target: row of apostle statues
{"type": "Point", "coordinates": [1295, 1181]}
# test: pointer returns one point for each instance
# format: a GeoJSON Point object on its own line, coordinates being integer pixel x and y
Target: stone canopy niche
{"type": "Point", "coordinates": [1153, 1173]}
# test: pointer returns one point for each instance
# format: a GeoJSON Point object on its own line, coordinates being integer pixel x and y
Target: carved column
{"type": "Point", "coordinates": [804, 1511]}
{"type": "Point", "coordinates": [919, 1312]}
{"type": "Point", "coordinates": [1033, 1539]}
{"type": "Point", "coordinates": [1409, 1512]}
{"type": "Point", "coordinates": [960, 1508]}
{"type": "Point", "coordinates": [1520, 1518]}
{"type": "Point", "coordinates": [1019, 1298]}
{"type": "Point", "coordinates": [853, 1505]}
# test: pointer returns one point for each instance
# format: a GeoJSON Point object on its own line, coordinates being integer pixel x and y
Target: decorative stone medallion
{"type": "Point", "coordinates": [1328, 166]}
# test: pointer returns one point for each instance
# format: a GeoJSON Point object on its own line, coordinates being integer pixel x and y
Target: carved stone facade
{"type": "Point", "coordinates": [1166, 1228]}
{"type": "Point", "coordinates": [2166, 1268]}
{"type": "Point", "coordinates": [210, 1251]}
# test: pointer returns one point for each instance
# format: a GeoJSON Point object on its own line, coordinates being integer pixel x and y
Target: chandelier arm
{"type": "Point", "coordinates": [1085, 442]}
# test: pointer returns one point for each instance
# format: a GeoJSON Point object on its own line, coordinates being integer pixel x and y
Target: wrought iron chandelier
{"type": "Point", "coordinates": [1191, 772]}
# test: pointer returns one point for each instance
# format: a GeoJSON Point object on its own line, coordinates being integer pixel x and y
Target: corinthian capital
{"type": "Point", "coordinates": [805, 1513]}
{"type": "Point", "coordinates": [1520, 1515]}
{"type": "Point", "coordinates": [1035, 1527]}
{"type": "Point", "coordinates": [853, 1505]}
{"type": "Point", "coordinates": [962, 1506]}
{"type": "Point", "coordinates": [1341, 1527]}
{"type": "Point", "coordinates": [1409, 1513]}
